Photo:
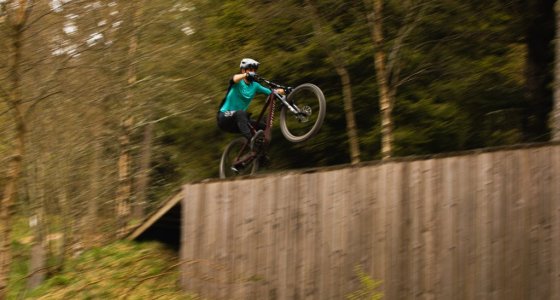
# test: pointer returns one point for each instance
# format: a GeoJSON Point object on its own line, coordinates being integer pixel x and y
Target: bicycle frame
{"type": "Point", "coordinates": [269, 105]}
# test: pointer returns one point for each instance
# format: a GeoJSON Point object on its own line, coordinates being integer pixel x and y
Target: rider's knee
{"type": "Point", "coordinates": [241, 114]}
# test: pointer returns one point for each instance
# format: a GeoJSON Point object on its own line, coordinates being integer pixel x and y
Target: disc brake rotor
{"type": "Point", "coordinates": [304, 114]}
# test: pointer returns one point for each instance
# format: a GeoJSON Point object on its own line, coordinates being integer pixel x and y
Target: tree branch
{"type": "Point", "coordinates": [413, 16]}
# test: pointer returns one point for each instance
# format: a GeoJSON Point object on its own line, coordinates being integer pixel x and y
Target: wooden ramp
{"type": "Point", "coordinates": [480, 225]}
{"type": "Point", "coordinates": [163, 225]}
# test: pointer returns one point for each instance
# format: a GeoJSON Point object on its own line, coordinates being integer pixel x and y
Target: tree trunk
{"type": "Point", "coordinates": [125, 181]}
{"type": "Point", "coordinates": [124, 189]}
{"type": "Point", "coordinates": [15, 103]}
{"type": "Point", "coordinates": [95, 179]}
{"type": "Point", "coordinates": [144, 173]}
{"type": "Point", "coordinates": [37, 264]}
{"type": "Point", "coordinates": [385, 99]}
{"type": "Point", "coordinates": [6, 208]}
{"type": "Point", "coordinates": [555, 116]}
{"type": "Point", "coordinates": [351, 128]}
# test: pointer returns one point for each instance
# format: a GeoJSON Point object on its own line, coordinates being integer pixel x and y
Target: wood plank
{"type": "Point", "coordinates": [555, 210]}
{"type": "Point", "coordinates": [322, 204]}
{"type": "Point", "coordinates": [293, 237]}
{"type": "Point", "coordinates": [360, 227]}
{"type": "Point", "coordinates": [251, 201]}
{"type": "Point", "coordinates": [222, 243]}
{"type": "Point", "coordinates": [208, 253]}
{"type": "Point", "coordinates": [327, 216]}
{"type": "Point", "coordinates": [428, 236]}
{"type": "Point", "coordinates": [272, 226]}
{"type": "Point", "coordinates": [187, 233]}
{"type": "Point", "coordinates": [467, 234]}
{"type": "Point", "coordinates": [192, 193]}
{"type": "Point", "coordinates": [509, 197]}
{"type": "Point", "coordinates": [283, 236]}
{"type": "Point", "coordinates": [391, 229]}
{"type": "Point", "coordinates": [237, 259]}
{"type": "Point", "coordinates": [437, 228]}
{"type": "Point", "coordinates": [336, 189]}
{"type": "Point", "coordinates": [417, 246]}
{"type": "Point", "coordinates": [347, 264]}
{"type": "Point", "coordinates": [310, 244]}
{"type": "Point", "coordinates": [246, 231]}
{"type": "Point", "coordinates": [525, 225]}
{"type": "Point", "coordinates": [201, 231]}
{"type": "Point", "coordinates": [516, 228]}
{"type": "Point", "coordinates": [403, 230]}
{"type": "Point", "coordinates": [260, 259]}
{"type": "Point", "coordinates": [545, 220]}
{"type": "Point", "coordinates": [498, 219]}
{"type": "Point", "coordinates": [446, 223]}
{"type": "Point", "coordinates": [535, 233]}
{"type": "Point", "coordinates": [367, 184]}
{"type": "Point", "coordinates": [484, 223]}
{"type": "Point", "coordinates": [376, 204]}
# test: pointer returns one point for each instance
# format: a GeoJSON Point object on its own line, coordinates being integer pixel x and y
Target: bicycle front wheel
{"type": "Point", "coordinates": [237, 161]}
{"type": "Point", "coordinates": [310, 103]}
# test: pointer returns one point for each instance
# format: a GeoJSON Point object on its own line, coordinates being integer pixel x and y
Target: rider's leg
{"type": "Point", "coordinates": [227, 122]}
{"type": "Point", "coordinates": [242, 120]}
{"type": "Point", "coordinates": [258, 126]}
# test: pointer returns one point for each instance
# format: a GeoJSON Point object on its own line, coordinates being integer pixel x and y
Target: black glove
{"type": "Point", "coordinates": [251, 76]}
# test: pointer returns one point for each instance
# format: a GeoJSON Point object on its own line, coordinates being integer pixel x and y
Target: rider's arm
{"type": "Point", "coordinates": [238, 77]}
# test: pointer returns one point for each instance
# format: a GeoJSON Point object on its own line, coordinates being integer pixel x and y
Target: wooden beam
{"type": "Point", "coordinates": [154, 217]}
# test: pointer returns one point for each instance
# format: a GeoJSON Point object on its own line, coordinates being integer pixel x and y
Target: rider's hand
{"type": "Point", "coordinates": [251, 76]}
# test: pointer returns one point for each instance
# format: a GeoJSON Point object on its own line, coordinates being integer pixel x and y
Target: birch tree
{"type": "Point", "coordinates": [387, 61]}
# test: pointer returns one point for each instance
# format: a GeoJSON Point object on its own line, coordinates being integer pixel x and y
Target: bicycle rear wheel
{"type": "Point", "coordinates": [310, 102]}
{"type": "Point", "coordinates": [237, 151]}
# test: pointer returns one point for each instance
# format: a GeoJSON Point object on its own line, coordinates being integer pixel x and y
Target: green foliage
{"type": "Point", "coordinates": [369, 287]}
{"type": "Point", "coordinates": [123, 270]}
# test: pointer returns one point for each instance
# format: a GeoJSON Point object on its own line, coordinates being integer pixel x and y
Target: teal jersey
{"type": "Point", "coordinates": [241, 94]}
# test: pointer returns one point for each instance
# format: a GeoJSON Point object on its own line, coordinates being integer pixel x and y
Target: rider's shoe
{"type": "Point", "coordinates": [237, 168]}
{"type": "Point", "coordinates": [257, 141]}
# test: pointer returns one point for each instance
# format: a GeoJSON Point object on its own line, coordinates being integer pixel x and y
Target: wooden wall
{"type": "Point", "coordinates": [483, 225]}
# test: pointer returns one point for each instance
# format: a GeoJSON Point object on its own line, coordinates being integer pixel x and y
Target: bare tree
{"type": "Point", "coordinates": [17, 15]}
{"type": "Point", "coordinates": [124, 192]}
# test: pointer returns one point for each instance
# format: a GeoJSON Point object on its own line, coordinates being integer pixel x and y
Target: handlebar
{"type": "Point", "coordinates": [274, 85]}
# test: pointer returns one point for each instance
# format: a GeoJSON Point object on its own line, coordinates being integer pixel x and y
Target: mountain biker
{"type": "Point", "coordinates": [233, 116]}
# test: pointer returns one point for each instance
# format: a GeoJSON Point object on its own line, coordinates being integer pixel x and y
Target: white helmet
{"type": "Point", "coordinates": [249, 63]}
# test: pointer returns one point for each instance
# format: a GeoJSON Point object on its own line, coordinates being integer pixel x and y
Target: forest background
{"type": "Point", "coordinates": [108, 106]}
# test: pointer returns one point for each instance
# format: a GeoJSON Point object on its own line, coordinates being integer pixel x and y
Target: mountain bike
{"type": "Point", "coordinates": [302, 112]}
